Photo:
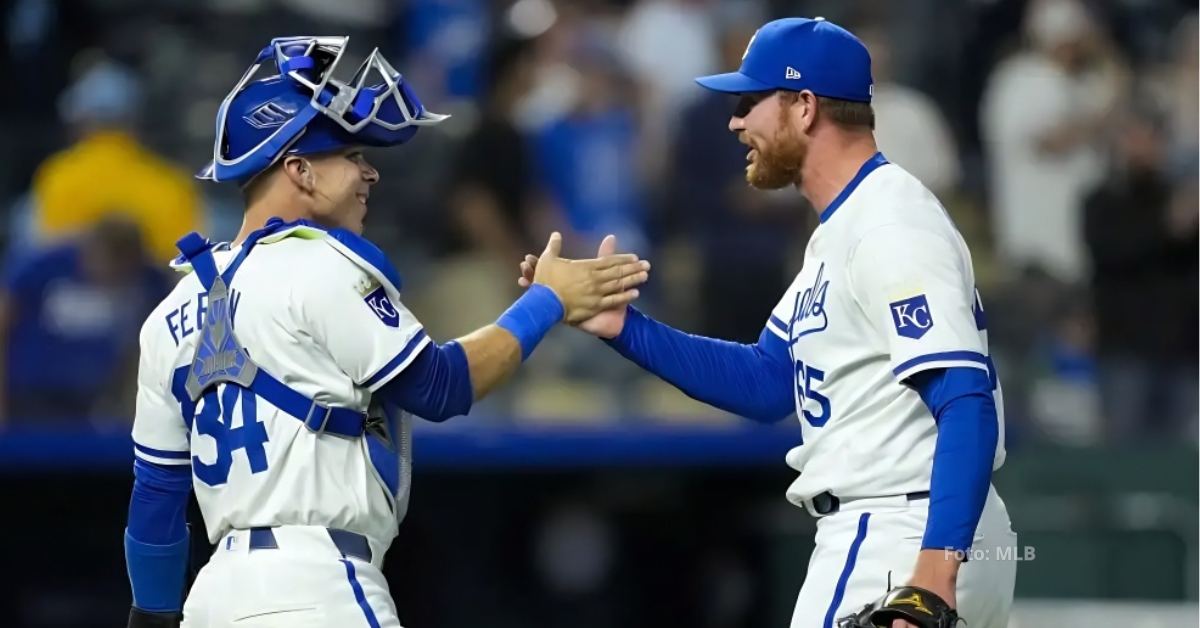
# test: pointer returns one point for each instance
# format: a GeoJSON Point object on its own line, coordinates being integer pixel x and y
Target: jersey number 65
{"type": "Point", "coordinates": [807, 394]}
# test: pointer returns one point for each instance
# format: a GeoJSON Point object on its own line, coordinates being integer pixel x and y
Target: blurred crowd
{"type": "Point", "coordinates": [1060, 134]}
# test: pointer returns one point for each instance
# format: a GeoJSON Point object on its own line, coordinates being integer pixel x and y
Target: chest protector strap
{"type": "Point", "coordinates": [221, 359]}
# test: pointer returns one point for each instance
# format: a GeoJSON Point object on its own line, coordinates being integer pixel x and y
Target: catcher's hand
{"type": "Point", "coordinates": [914, 605]}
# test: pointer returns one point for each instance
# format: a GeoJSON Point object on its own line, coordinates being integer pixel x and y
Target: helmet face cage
{"type": "Point", "coordinates": [365, 102]}
{"type": "Point", "coordinates": [376, 111]}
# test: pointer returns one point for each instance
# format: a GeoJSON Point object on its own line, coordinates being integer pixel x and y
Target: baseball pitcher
{"type": "Point", "coordinates": [277, 379]}
{"type": "Point", "coordinates": [879, 347]}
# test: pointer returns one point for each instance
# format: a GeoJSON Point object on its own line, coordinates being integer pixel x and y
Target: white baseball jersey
{"type": "Point", "coordinates": [322, 315]}
{"type": "Point", "coordinates": [886, 290]}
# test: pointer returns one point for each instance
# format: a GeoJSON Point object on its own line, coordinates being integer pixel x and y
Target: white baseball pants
{"type": "Point", "coordinates": [304, 582]}
{"type": "Point", "coordinates": [859, 545]}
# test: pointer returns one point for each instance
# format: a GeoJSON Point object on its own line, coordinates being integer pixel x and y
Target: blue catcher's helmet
{"type": "Point", "coordinates": [304, 110]}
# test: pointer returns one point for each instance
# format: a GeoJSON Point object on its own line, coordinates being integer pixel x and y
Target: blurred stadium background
{"type": "Point", "coordinates": [1061, 135]}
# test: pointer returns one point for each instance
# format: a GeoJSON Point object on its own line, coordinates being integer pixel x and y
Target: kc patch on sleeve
{"type": "Point", "coordinates": [382, 306]}
{"type": "Point", "coordinates": [911, 316]}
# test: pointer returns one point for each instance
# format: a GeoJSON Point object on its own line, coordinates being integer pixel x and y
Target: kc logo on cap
{"type": "Point", "coordinates": [749, 44]}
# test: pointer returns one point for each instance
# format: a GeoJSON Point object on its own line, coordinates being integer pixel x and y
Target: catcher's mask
{"type": "Point", "coordinates": [303, 109]}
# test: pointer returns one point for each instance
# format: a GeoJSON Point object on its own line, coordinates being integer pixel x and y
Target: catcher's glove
{"type": "Point", "coordinates": [915, 605]}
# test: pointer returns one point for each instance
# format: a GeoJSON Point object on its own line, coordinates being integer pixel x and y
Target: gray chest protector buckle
{"type": "Point", "coordinates": [219, 357]}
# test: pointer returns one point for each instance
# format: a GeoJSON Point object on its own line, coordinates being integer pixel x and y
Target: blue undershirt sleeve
{"type": "Point", "coordinates": [436, 386]}
{"type": "Point", "coordinates": [962, 404]}
{"type": "Point", "coordinates": [754, 381]}
{"type": "Point", "coordinates": [156, 539]}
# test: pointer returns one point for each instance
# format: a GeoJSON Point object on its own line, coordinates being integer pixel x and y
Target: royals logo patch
{"type": "Point", "coordinates": [912, 317]}
{"type": "Point", "coordinates": [382, 307]}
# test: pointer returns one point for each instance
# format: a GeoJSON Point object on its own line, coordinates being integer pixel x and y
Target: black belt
{"type": "Point", "coordinates": [827, 503]}
{"type": "Point", "coordinates": [348, 543]}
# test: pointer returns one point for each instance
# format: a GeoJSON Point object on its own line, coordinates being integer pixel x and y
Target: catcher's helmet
{"type": "Point", "coordinates": [303, 110]}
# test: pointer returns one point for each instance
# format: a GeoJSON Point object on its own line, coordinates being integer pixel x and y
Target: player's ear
{"type": "Point", "coordinates": [300, 171]}
{"type": "Point", "coordinates": [806, 110]}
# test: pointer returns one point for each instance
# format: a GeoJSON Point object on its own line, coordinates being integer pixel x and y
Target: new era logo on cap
{"type": "Point", "coordinates": [792, 74]}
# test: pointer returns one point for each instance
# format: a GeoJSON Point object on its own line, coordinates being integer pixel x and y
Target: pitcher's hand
{"type": "Point", "coordinates": [605, 324]}
{"type": "Point", "coordinates": [587, 287]}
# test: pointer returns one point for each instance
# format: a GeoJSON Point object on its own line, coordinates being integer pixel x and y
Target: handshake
{"type": "Point", "coordinates": [593, 292]}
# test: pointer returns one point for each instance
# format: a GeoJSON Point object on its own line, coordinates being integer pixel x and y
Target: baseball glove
{"type": "Point", "coordinates": [915, 605]}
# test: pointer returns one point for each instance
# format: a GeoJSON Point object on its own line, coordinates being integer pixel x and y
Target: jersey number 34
{"type": "Point", "coordinates": [214, 419]}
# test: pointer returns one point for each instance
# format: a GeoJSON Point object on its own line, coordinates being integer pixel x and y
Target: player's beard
{"type": "Point", "coordinates": [778, 165]}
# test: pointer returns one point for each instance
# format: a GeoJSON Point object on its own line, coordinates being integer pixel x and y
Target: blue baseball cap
{"type": "Point", "coordinates": [798, 53]}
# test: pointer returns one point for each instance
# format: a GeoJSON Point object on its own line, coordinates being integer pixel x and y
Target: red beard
{"type": "Point", "coordinates": [779, 165]}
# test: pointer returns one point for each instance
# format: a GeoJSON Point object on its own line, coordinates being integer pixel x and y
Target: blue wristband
{"type": "Point", "coordinates": [532, 316]}
{"type": "Point", "coordinates": [156, 573]}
